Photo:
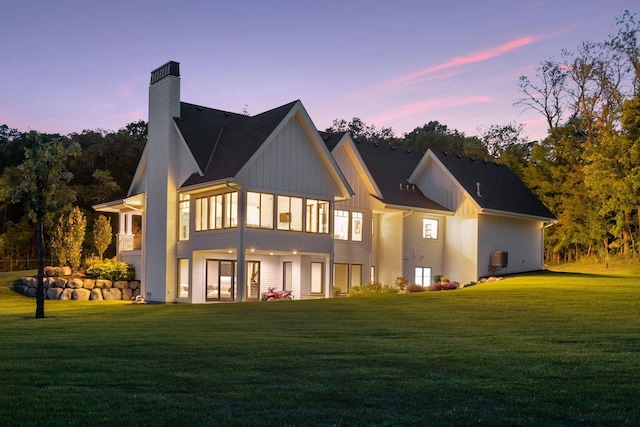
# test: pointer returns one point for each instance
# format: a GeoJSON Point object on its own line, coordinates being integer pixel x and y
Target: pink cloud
{"type": "Point", "coordinates": [432, 104]}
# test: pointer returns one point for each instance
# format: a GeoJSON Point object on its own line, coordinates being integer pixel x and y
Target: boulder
{"type": "Point", "coordinates": [136, 293]}
{"type": "Point", "coordinates": [75, 283]}
{"type": "Point", "coordinates": [66, 294]}
{"type": "Point", "coordinates": [32, 282]}
{"type": "Point", "coordinates": [96, 295]}
{"type": "Point", "coordinates": [88, 283]}
{"type": "Point", "coordinates": [127, 294]}
{"type": "Point", "coordinates": [81, 294]}
{"type": "Point", "coordinates": [49, 282]}
{"type": "Point", "coordinates": [103, 284]}
{"type": "Point", "coordinates": [30, 292]}
{"type": "Point", "coordinates": [110, 294]}
{"type": "Point", "coordinates": [53, 293]}
{"type": "Point", "coordinates": [61, 282]}
{"type": "Point", "coordinates": [121, 284]}
{"type": "Point", "coordinates": [134, 284]}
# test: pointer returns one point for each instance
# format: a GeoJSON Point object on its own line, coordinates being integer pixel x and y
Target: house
{"type": "Point", "coordinates": [224, 205]}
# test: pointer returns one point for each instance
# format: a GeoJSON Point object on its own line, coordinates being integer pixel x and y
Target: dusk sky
{"type": "Point", "coordinates": [75, 65]}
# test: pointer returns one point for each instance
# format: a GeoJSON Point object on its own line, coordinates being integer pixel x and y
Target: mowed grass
{"type": "Point", "coordinates": [550, 348]}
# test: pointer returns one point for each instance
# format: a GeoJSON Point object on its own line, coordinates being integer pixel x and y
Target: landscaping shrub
{"type": "Point", "coordinates": [113, 270]}
{"type": "Point", "coordinates": [442, 286]}
{"type": "Point", "coordinates": [414, 288]}
{"type": "Point", "coordinates": [374, 288]}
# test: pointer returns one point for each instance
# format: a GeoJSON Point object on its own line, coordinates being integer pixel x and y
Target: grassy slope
{"type": "Point", "coordinates": [554, 348]}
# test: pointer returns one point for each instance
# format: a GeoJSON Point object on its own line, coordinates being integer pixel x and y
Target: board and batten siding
{"type": "Point", "coordinates": [388, 257]}
{"type": "Point", "coordinates": [289, 164]}
{"type": "Point", "coordinates": [521, 238]}
{"type": "Point", "coordinates": [421, 252]}
{"type": "Point", "coordinates": [439, 187]}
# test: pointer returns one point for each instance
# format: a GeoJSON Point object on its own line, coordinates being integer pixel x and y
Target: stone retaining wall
{"type": "Point", "coordinates": [81, 289]}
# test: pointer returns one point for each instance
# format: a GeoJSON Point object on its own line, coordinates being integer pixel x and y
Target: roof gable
{"type": "Point", "coordinates": [224, 146]}
{"type": "Point", "coordinates": [491, 186]}
{"type": "Point", "coordinates": [390, 168]}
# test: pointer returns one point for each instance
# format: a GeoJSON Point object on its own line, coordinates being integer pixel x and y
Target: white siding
{"type": "Point", "coordinates": [388, 257]}
{"type": "Point", "coordinates": [521, 238]}
{"type": "Point", "coordinates": [134, 258]}
{"type": "Point", "coordinates": [289, 164]}
{"type": "Point", "coordinates": [461, 248]}
{"type": "Point", "coordinates": [160, 233]}
{"type": "Point", "coordinates": [420, 252]}
{"type": "Point", "coordinates": [438, 186]}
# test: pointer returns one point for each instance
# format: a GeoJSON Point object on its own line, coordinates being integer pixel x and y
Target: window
{"type": "Point", "coordinates": [287, 276]}
{"type": "Point", "coordinates": [183, 214]}
{"type": "Point", "coordinates": [289, 213]}
{"type": "Point", "coordinates": [341, 277]}
{"type": "Point", "coordinates": [183, 278]}
{"type": "Point", "coordinates": [317, 216]}
{"type": "Point", "coordinates": [356, 226]}
{"type": "Point", "coordinates": [230, 205]}
{"type": "Point", "coordinates": [429, 228]}
{"type": "Point", "coordinates": [216, 212]}
{"type": "Point", "coordinates": [317, 278]}
{"type": "Point", "coordinates": [423, 276]}
{"type": "Point", "coordinates": [341, 225]}
{"type": "Point", "coordinates": [202, 205]}
{"type": "Point", "coordinates": [356, 275]}
{"type": "Point", "coordinates": [259, 210]}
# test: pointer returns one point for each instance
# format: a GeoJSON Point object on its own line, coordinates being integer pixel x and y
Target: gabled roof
{"type": "Point", "coordinates": [390, 168]}
{"type": "Point", "coordinates": [492, 186]}
{"type": "Point", "coordinates": [223, 142]}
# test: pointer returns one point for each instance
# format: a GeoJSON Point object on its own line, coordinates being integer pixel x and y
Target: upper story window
{"type": "Point", "coordinates": [356, 226]}
{"type": "Point", "coordinates": [183, 217]}
{"type": "Point", "coordinates": [290, 213]}
{"type": "Point", "coordinates": [216, 212]}
{"type": "Point", "coordinates": [429, 228]}
{"type": "Point", "coordinates": [317, 216]}
{"type": "Point", "coordinates": [341, 224]}
{"type": "Point", "coordinates": [259, 210]}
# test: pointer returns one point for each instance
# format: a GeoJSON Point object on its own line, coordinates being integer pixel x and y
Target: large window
{"type": "Point", "coordinates": [201, 214]}
{"type": "Point", "coordinates": [216, 212]}
{"type": "Point", "coordinates": [429, 228]}
{"type": "Point", "coordinates": [317, 216]}
{"type": "Point", "coordinates": [345, 276]}
{"type": "Point", "coordinates": [183, 217]}
{"type": "Point", "coordinates": [317, 277]}
{"type": "Point", "coordinates": [356, 226]}
{"type": "Point", "coordinates": [341, 224]}
{"type": "Point", "coordinates": [423, 276]}
{"type": "Point", "coordinates": [290, 213]}
{"type": "Point", "coordinates": [259, 210]}
{"type": "Point", "coordinates": [183, 278]}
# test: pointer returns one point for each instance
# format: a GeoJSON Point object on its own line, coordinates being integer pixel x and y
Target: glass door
{"type": "Point", "coordinates": [220, 280]}
{"type": "Point", "coordinates": [252, 287]}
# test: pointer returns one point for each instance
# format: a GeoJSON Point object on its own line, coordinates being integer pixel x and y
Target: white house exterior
{"type": "Point", "coordinates": [228, 205]}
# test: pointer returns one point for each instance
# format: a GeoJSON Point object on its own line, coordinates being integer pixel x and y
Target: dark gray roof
{"type": "Point", "coordinates": [222, 142]}
{"type": "Point", "coordinates": [390, 168]}
{"type": "Point", "coordinates": [500, 188]}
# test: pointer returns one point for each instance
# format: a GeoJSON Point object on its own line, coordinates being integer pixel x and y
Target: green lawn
{"type": "Point", "coordinates": [553, 348]}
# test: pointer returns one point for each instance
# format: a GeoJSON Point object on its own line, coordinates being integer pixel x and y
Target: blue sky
{"type": "Point", "coordinates": [75, 65]}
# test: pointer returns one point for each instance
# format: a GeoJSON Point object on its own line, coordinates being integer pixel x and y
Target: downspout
{"type": "Point", "coordinates": [240, 250]}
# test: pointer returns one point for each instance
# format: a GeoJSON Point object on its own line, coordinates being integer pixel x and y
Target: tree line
{"type": "Point", "coordinates": [586, 170]}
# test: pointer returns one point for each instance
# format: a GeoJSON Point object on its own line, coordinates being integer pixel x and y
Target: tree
{"type": "Point", "coordinates": [74, 236]}
{"type": "Point", "coordinates": [360, 130]}
{"type": "Point", "coordinates": [44, 172]}
{"type": "Point", "coordinates": [58, 247]}
{"type": "Point", "coordinates": [508, 146]}
{"type": "Point", "coordinates": [102, 234]}
{"type": "Point", "coordinates": [548, 97]}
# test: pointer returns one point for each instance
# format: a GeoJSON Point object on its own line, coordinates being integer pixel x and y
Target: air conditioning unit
{"type": "Point", "coordinates": [499, 259]}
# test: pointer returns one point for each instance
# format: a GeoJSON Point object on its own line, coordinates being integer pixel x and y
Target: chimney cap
{"type": "Point", "coordinates": [171, 68]}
